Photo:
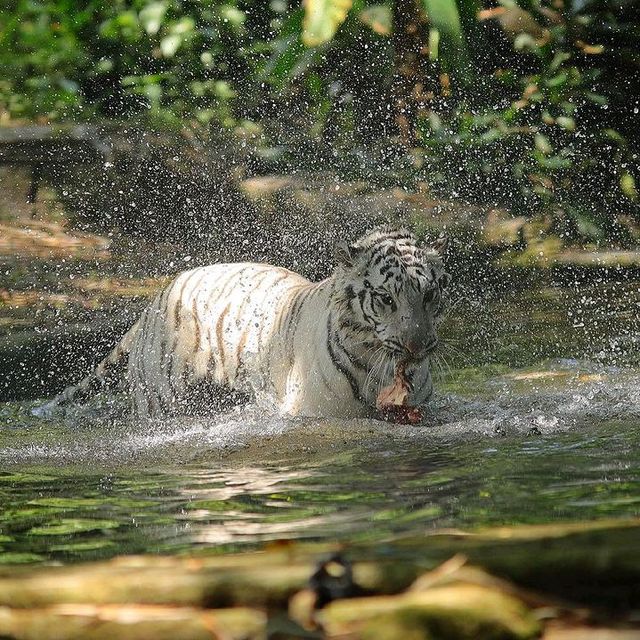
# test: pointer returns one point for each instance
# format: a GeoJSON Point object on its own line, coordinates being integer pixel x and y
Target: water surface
{"type": "Point", "coordinates": [537, 420]}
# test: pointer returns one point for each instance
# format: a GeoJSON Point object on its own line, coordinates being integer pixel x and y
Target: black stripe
{"type": "Point", "coordinates": [293, 320]}
{"type": "Point", "coordinates": [355, 389]}
{"type": "Point", "coordinates": [221, 289]}
{"type": "Point", "coordinates": [349, 292]}
{"type": "Point", "coordinates": [348, 323]}
{"type": "Point", "coordinates": [293, 312]}
{"type": "Point", "coordinates": [396, 235]}
{"type": "Point", "coordinates": [381, 251]}
{"type": "Point", "coordinates": [353, 359]}
{"type": "Point", "coordinates": [367, 316]}
{"type": "Point", "coordinates": [265, 360]}
{"type": "Point", "coordinates": [168, 358]}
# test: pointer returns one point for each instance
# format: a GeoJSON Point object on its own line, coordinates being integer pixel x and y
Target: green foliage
{"type": "Point", "coordinates": [531, 104]}
{"type": "Point", "coordinates": [171, 59]}
{"type": "Point", "coordinates": [546, 147]}
{"type": "Point", "coordinates": [447, 41]}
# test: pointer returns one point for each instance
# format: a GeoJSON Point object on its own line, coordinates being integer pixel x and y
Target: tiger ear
{"type": "Point", "coordinates": [345, 254]}
{"type": "Point", "coordinates": [441, 244]}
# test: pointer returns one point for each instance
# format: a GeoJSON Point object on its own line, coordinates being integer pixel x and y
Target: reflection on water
{"type": "Point", "coordinates": [538, 419]}
{"type": "Point", "coordinates": [68, 513]}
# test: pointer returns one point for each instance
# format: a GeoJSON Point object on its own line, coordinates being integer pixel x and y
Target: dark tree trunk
{"type": "Point", "coordinates": [414, 81]}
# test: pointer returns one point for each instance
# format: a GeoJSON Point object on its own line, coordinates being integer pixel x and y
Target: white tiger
{"type": "Point", "coordinates": [313, 349]}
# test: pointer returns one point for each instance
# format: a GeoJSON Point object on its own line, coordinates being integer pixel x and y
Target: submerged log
{"type": "Point", "coordinates": [132, 622]}
{"type": "Point", "coordinates": [584, 562]}
{"type": "Point", "coordinates": [457, 612]}
{"type": "Point", "coordinates": [593, 564]}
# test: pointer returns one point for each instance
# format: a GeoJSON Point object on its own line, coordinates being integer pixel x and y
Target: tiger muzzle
{"type": "Point", "coordinates": [419, 350]}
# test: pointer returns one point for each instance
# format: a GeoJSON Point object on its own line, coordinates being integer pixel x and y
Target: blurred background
{"type": "Point", "coordinates": [141, 137]}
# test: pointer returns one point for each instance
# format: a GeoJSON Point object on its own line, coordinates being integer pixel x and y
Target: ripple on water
{"type": "Point", "coordinates": [555, 441]}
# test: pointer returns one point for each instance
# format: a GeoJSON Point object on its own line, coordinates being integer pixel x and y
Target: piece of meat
{"type": "Point", "coordinates": [392, 400]}
{"type": "Point", "coordinates": [401, 414]}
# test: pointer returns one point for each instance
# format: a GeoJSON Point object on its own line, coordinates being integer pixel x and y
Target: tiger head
{"type": "Point", "coordinates": [391, 291]}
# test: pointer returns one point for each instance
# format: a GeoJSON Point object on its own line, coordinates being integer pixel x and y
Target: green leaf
{"type": "Point", "coordinates": [434, 44]}
{"type": "Point", "coordinates": [558, 60]}
{"type": "Point", "coordinates": [289, 58]}
{"type": "Point", "coordinates": [614, 135]}
{"type": "Point", "coordinates": [178, 32]}
{"type": "Point", "coordinates": [452, 51]}
{"type": "Point", "coordinates": [322, 19]}
{"type": "Point", "coordinates": [566, 123]}
{"type": "Point", "coordinates": [542, 144]}
{"type": "Point", "coordinates": [233, 16]}
{"type": "Point", "coordinates": [184, 26]}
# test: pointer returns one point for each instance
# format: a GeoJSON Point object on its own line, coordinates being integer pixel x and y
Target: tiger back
{"type": "Point", "coordinates": [245, 328]}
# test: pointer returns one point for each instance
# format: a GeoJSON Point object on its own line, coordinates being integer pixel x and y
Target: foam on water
{"type": "Point", "coordinates": [564, 395]}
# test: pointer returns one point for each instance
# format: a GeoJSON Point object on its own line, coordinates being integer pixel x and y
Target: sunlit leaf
{"type": "Point", "coordinates": [378, 18]}
{"type": "Point", "coordinates": [524, 41]}
{"type": "Point", "coordinates": [558, 60]}
{"type": "Point", "coordinates": [183, 26]}
{"type": "Point", "coordinates": [434, 44]}
{"type": "Point", "coordinates": [170, 44]}
{"type": "Point", "coordinates": [628, 186]}
{"type": "Point", "coordinates": [322, 19]}
{"type": "Point", "coordinates": [592, 49]}
{"type": "Point", "coordinates": [542, 144]}
{"type": "Point", "coordinates": [151, 16]}
{"type": "Point", "coordinates": [223, 90]}
{"type": "Point", "coordinates": [566, 123]}
{"type": "Point", "coordinates": [233, 16]}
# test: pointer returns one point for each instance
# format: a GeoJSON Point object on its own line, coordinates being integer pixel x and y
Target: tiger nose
{"type": "Point", "coordinates": [416, 348]}
{"type": "Point", "coordinates": [413, 347]}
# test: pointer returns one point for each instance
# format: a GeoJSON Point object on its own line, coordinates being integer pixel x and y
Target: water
{"type": "Point", "coordinates": [537, 420]}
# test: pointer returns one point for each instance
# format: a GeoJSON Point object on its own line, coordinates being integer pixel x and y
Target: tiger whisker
{"type": "Point", "coordinates": [379, 352]}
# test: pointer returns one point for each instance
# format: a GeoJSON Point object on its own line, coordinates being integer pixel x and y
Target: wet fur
{"type": "Point", "coordinates": [232, 331]}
